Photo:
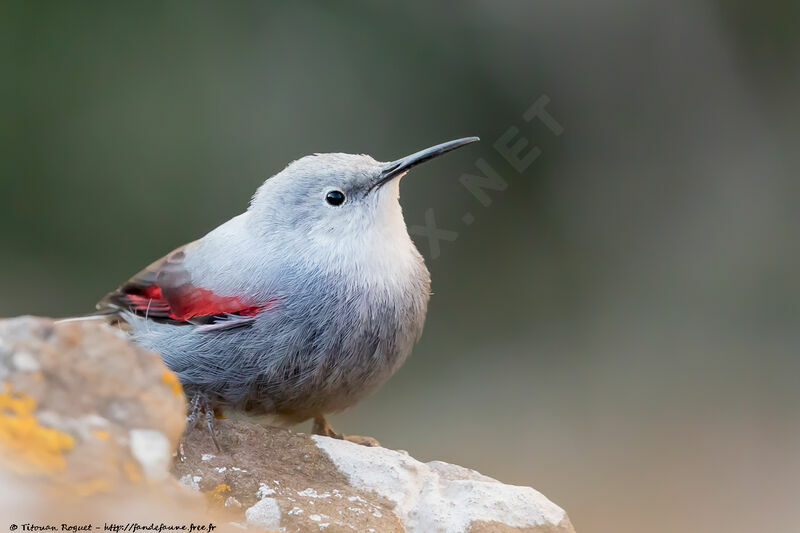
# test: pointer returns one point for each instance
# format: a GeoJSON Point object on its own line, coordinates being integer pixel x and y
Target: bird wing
{"type": "Point", "coordinates": [165, 291]}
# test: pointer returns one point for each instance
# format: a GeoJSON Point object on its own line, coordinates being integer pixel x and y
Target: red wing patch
{"type": "Point", "coordinates": [164, 291]}
{"type": "Point", "coordinates": [187, 302]}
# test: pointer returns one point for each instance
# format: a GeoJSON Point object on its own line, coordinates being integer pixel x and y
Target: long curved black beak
{"type": "Point", "coordinates": [401, 166]}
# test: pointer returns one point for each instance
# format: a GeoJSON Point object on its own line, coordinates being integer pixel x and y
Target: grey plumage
{"type": "Point", "coordinates": [332, 297]}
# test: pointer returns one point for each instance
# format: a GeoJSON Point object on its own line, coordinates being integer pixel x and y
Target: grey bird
{"type": "Point", "coordinates": [299, 307]}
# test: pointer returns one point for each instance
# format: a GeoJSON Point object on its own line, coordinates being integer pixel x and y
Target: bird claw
{"type": "Point", "coordinates": [322, 427]}
{"type": "Point", "coordinates": [210, 426]}
{"type": "Point", "coordinates": [199, 403]}
{"type": "Point", "coordinates": [363, 440]}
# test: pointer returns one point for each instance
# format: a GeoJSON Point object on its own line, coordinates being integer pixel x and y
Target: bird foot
{"type": "Point", "coordinates": [199, 405]}
{"type": "Point", "coordinates": [363, 440]}
{"type": "Point", "coordinates": [322, 427]}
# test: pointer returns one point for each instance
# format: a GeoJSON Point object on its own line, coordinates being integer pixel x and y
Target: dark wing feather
{"type": "Point", "coordinates": [164, 291]}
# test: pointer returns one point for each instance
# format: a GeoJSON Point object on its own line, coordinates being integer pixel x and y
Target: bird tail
{"type": "Point", "coordinates": [97, 315]}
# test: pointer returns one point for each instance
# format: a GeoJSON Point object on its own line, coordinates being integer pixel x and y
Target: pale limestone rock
{"type": "Point", "coordinates": [87, 417]}
{"type": "Point", "coordinates": [440, 497]}
{"type": "Point", "coordinates": [153, 451]}
{"type": "Point", "coordinates": [264, 513]}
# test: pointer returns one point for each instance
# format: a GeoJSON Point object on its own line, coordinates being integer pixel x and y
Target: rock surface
{"type": "Point", "coordinates": [82, 406]}
{"type": "Point", "coordinates": [88, 417]}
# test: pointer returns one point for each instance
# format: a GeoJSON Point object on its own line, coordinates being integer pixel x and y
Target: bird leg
{"type": "Point", "coordinates": [210, 425]}
{"type": "Point", "coordinates": [191, 421]}
{"type": "Point", "coordinates": [199, 404]}
{"type": "Point", "coordinates": [194, 411]}
{"type": "Point", "coordinates": [322, 427]}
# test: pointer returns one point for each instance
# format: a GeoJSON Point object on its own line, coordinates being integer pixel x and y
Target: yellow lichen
{"type": "Point", "coordinates": [221, 489]}
{"type": "Point", "coordinates": [132, 472]}
{"type": "Point", "coordinates": [33, 448]}
{"type": "Point", "coordinates": [100, 434]}
{"type": "Point", "coordinates": [93, 486]}
{"type": "Point", "coordinates": [169, 378]}
{"type": "Point", "coordinates": [219, 493]}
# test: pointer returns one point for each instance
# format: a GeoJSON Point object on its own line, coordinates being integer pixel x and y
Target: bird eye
{"type": "Point", "coordinates": [335, 197]}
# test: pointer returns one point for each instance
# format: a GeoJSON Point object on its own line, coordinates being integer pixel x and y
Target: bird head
{"type": "Point", "coordinates": [339, 197]}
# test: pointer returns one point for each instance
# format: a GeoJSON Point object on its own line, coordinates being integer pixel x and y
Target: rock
{"type": "Point", "coordinates": [303, 488]}
{"type": "Point", "coordinates": [82, 406]}
{"type": "Point", "coordinates": [438, 496]}
{"type": "Point", "coordinates": [88, 417]}
{"type": "Point", "coordinates": [88, 425]}
{"type": "Point", "coordinates": [318, 483]}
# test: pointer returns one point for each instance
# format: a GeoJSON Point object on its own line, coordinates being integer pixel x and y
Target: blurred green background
{"type": "Point", "coordinates": [619, 328]}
